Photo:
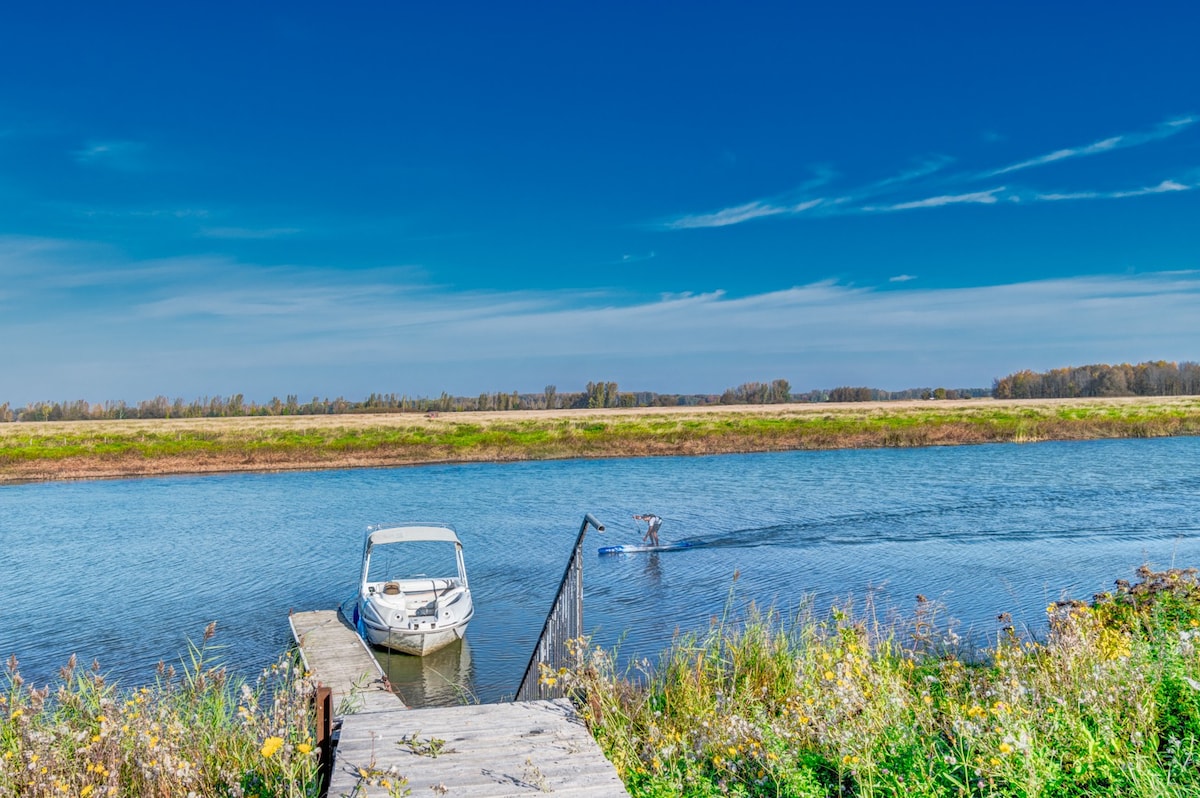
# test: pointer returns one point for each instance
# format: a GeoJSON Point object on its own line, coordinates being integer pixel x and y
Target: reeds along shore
{"type": "Point", "coordinates": [196, 731]}
{"type": "Point", "coordinates": [1108, 704]}
{"type": "Point", "coordinates": [83, 449]}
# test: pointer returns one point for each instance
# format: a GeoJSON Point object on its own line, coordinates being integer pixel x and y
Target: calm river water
{"type": "Point", "coordinates": [128, 571]}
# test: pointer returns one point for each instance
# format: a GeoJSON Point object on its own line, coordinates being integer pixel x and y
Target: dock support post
{"type": "Point", "coordinates": [324, 702]}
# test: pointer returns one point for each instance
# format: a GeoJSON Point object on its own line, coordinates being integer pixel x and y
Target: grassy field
{"type": "Point", "coordinates": [83, 449]}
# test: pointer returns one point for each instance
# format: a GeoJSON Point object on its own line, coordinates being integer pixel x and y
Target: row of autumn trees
{"type": "Point", "coordinates": [1156, 378]}
{"type": "Point", "coordinates": [595, 395]}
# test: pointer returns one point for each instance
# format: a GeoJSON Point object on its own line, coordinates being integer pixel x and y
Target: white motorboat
{"type": "Point", "coordinates": [414, 597]}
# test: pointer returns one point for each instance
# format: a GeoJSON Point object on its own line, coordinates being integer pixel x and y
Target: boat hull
{"type": "Point", "coordinates": [409, 612]}
{"type": "Point", "coordinates": [415, 642]}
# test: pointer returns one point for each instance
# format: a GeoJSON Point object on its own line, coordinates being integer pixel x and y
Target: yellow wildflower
{"type": "Point", "coordinates": [271, 746]}
{"type": "Point", "coordinates": [304, 748]}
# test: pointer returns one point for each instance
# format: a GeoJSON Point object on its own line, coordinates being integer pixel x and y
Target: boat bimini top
{"type": "Point", "coordinates": [407, 534]}
{"type": "Point", "coordinates": [401, 534]}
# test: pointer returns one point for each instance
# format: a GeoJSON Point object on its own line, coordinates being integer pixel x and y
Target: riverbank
{"type": "Point", "coordinates": [1107, 703]}
{"type": "Point", "coordinates": [198, 730]}
{"type": "Point", "coordinates": [46, 451]}
{"type": "Point", "coordinates": [757, 706]}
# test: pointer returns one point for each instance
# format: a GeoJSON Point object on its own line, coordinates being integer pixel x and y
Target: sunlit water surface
{"type": "Point", "coordinates": [129, 571]}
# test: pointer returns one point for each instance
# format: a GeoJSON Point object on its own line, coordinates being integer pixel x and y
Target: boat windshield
{"type": "Point", "coordinates": [412, 559]}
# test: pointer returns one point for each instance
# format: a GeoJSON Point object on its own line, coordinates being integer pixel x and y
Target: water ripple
{"type": "Point", "coordinates": [130, 571]}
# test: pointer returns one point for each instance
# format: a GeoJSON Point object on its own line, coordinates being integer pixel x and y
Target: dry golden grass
{"type": "Point", "coordinates": [99, 449]}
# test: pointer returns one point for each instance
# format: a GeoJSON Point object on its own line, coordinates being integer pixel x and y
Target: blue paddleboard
{"type": "Point", "coordinates": [637, 549]}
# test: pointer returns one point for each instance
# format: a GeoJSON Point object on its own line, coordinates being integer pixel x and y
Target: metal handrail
{"type": "Point", "coordinates": [564, 622]}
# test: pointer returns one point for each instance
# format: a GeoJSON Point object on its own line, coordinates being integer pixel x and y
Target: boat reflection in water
{"type": "Point", "coordinates": [445, 678]}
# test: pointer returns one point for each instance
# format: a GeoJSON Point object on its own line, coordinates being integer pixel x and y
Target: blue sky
{"type": "Point", "coordinates": [291, 198]}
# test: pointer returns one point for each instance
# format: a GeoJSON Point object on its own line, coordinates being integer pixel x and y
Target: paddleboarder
{"type": "Point", "coordinates": [653, 523]}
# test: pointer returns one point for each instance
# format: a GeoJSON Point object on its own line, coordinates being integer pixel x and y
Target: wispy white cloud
{"type": "Point", "coordinates": [198, 326]}
{"type": "Point", "coordinates": [726, 217]}
{"type": "Point", "coordinates": [1164, 187]}
{"type": "Point", "coordinates": [928, 173]}
{"type": "Point", "coordinates": [901, 278]}
{"type": "Point", "coordinates": [1168, 128]}
{"type": "Point", "coordinates": [126, 156]}
{"type": "Point", "coordinates": [248, 233]}
{"type": "Point", "coordinates": [976, 197]}
{"type": "Point", "coordinates": [1058, 155]}
{"type": "Point", "coordinates": [742, 213]}
{"type": "Point", "coordinates": [794, 202]}
{"type": "Point", "coordinates": [925, 168]}
{"type": "Point", "coordinates": [152, 213]}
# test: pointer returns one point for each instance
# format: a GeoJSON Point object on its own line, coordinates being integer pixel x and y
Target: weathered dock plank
{"type": "Point", "coordinates": [333, 651]}
{"type": "Point", "coordinates": [486, 750]}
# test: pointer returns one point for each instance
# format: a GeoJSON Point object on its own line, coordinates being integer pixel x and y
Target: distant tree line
{"type": "Point", "coordinates": [849, 394]}
{"type": "Point", "coordinates": [1157, 378]}
{"type": "Point", "coordinates": [594, 395]}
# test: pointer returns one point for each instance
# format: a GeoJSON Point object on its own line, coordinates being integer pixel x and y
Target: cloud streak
{"type": "Point", "coordinates": [1168, 128]}
{"type": "Point", "coordinates": [248, 233]}
{"type": "Point", "coordinates": [192, 327]}
{"type": "Point", "coordinates": [125, 156]}
{"type": "Point", "coordinates": [976, 197]}
{"type": "Point", "coordinates": [929, 173]}
{"type": "Point", "coordinates": [1164, 187]}
{"type": "Point", "coordinates": [726, 217]}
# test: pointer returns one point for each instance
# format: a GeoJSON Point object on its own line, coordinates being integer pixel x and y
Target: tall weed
{"type": "Point", "coordinates": [1108, 703]}
{"type": "Point", "coordinates": [196, 731]}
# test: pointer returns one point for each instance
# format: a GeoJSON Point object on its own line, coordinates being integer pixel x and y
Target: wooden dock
{"type": "Point", "coordinates": [486, 750]}
{"type": "Point", "coordinates": [332, 650]}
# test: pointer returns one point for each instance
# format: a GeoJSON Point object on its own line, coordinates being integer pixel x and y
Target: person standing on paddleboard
{"type": "Point", "coordinates": [653, 522]}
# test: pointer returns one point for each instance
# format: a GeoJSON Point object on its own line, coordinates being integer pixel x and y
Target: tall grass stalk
{"type": "Point", "coordinates": [1108, 703]}
{"type": "Point", "coordinates": [197, 731]}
